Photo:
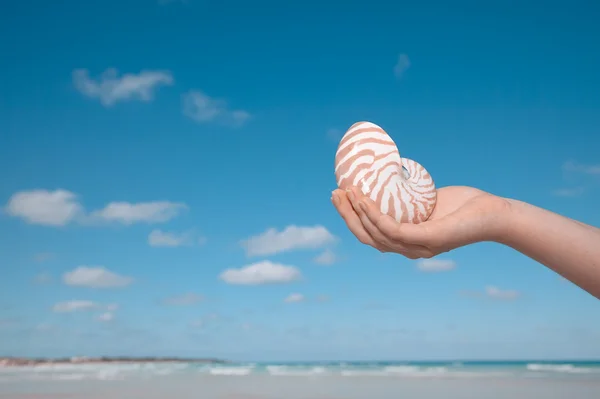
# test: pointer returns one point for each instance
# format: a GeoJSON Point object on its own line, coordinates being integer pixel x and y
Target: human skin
{"type": "Point", "coordinates": [466, 215]}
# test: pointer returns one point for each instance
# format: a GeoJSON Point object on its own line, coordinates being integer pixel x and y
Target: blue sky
{"type": "Point", "coordinates": [150, 152]}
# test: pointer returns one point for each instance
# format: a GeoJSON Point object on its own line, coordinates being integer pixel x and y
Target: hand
{"type": "Point", "coordinates": [462, 215]}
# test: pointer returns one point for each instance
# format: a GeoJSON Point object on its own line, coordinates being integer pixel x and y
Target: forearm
{"type": "Point", "coordinates": [570, 248]}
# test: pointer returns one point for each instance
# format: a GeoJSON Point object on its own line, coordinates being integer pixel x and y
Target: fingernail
{"type": "Point", "coordinates": [350, 194]}
{"type": "Point", "coordinates": [335, 199]}
{"type": "Point", "coordinates": [362, 206]}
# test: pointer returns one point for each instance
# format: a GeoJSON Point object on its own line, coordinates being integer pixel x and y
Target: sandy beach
{"type": "Point", "coordinates": [264, 386]}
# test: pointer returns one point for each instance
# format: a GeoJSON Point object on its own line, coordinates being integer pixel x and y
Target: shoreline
{"type": "Point", "coordinates": [23, 361]}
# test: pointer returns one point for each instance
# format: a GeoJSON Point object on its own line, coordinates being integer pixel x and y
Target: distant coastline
{"type": "Point", "coordinates": [25, 361]}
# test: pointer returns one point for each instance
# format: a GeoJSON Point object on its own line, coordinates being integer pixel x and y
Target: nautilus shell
{"type": "Point", "coordinates": [367, 158]}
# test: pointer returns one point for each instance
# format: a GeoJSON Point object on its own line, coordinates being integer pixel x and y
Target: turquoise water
{"type": "Point", "coordinates": [581, 369]}
{"type": "Point", "coordinates": [447, 369]}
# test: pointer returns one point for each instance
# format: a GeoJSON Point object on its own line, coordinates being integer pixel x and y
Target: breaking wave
{"type": "Point", "coordinates": [561, 368]}
{"type": "Point", "coordinates": [121, 371]}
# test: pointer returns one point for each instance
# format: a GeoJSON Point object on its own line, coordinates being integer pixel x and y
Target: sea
{"type": "Point", "coordinates": [314, 380]}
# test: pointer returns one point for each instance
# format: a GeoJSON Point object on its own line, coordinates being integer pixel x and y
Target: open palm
{"type": "Point", "coordinates": [462, 215]}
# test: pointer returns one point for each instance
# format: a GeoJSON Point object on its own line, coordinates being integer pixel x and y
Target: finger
{"type": "Point", "coordinates": [421, 234]}
{"type": "Point", "coordinates": [354, 196]}
{"type": "Point", "coordinates": [361, 207]}
{"type": "Point", "coordinates": [344, 208]}
{"type": "Point", "coordinates": [351, 219]}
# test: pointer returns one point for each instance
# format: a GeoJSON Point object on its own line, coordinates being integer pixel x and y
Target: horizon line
{"type": "Point", "coordinates": [219, 359]}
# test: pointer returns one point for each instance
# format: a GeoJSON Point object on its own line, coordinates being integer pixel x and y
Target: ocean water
{"type": "Point", "coordinates": [324, 380]}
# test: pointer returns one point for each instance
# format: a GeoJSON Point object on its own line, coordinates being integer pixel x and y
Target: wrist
{"type": "Point", "coordinates": [507, 223]}
{"type": "Point", "coordinates": [501, 222]}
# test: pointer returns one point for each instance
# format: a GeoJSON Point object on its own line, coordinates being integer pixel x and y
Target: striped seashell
{"type": "Point", "coordinates": [368, 158]}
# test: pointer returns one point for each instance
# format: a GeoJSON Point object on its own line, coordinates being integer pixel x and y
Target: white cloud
{"type": "Point", "coordinates": [323, 298]}
{"type": "Point", "coordinates": [44, 256]}
{"type": "Point", "coordinates": [327, 257]}
{"type": "Point", "coordinates": [50, 208]}
{"type": "Point", "coordinates": [110, 88]}
{"type": "Point", "coordinates": [569, 192]}
{"type": "Point", "coordinates": [106, 317]}
{"type": "Point", "coordinates": [74, 306]}
{"type": "Point", "coordinates": [497, 293]}
{"type": "Point", "coordinates": [211, 318]}
{"type": "Point", "coordinates": [44, 327]}
{"type": "Point", "coordinates": [265, 272]}
{"type": "Point", "coordinates": [95, 277]}
{"type": "Point", "coordinates": [42, 278]}
{"type": "Point", "coordinates": [112, 307]}
{"type": "Point", "coordinates": [147, 212]}
{"type": "Point", "coordinates": [202, 108]}
{"type": "Point", "coordinates": [402, 65]}
{"type": "Point", "coordinates": [60, 207]}
{"type": "Point", "coordinates": [185, 299]}
{"type": "Point", "coordinates": [571, 169]}
{"type": "Point", "coordinates": [292, 237]}
{"type": "Point", "coordinates": [199, 323]}
{"type": "Point", "coordinates": [571, 166]}
{"type": "Point", "coordinates": [436, 265]}
{"type": "Point", "coordinates": [159, 238]}
{"type": "Point", "coordinates": [293, 298]}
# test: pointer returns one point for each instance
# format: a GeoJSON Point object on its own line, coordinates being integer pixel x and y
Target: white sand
{"type": "Point", "coordinates": [321, 387]}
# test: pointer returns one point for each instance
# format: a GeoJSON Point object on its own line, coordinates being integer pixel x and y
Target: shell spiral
{"type": "Point", "coordinates": [368, 158]}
